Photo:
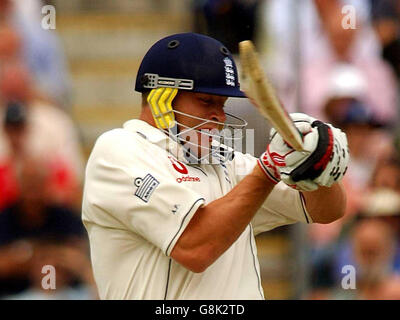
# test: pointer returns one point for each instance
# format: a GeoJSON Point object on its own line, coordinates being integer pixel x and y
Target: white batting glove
{"type": "Point", "coordinates": [323, 163]}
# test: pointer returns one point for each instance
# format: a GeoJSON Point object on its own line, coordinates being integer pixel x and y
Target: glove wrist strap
{"type": "Point", "coordinates": [270, 171]}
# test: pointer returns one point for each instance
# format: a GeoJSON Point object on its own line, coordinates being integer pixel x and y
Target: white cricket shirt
{"type": "Point", "coordinates": [138, 199]}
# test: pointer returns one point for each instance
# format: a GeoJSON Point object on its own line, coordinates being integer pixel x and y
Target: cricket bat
{"type": "Point", "coordinates": [261, 93]}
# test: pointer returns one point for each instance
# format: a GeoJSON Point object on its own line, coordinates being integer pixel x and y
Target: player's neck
{"type": "Point", "coordinates": [145, 115]}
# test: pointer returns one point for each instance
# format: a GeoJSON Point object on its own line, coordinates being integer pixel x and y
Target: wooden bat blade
{"type": "Point", "coordinates": [263, 96]}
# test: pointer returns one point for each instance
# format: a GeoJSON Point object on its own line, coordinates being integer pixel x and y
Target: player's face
{"type": "Point", "coordinates": [201, 105]}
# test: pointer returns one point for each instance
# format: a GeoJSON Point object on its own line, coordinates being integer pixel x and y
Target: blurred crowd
{"type": "Point", "coordinates": [347, 77]}
{"type": "Point", "coordinates": [41, 164]}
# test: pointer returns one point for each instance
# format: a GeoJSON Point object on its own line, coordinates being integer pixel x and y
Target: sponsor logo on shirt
{"type": "Point", "coordinates": [187, 179]}
{"type": "Point", "coordinates": [145, 187]}
{"type": "Point", "coordinates": [181, 168]}
{"type": "Point", "coordinates": [178, 166]}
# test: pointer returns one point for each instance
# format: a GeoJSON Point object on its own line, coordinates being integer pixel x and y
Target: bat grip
{"type": "Point", "coordinates": [318, 160]}
{"type": "Point", "coordinates": [301, 136]}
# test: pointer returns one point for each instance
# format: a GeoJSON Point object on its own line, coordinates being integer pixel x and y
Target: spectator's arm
{"type": "Point", "coordinates": [330, 12]}
{"type": "Point", "coordinates": [385, 15]}
{"type": "Point", "coordinates": [15, 258]}
{"type": "Point", "coordinates": [75, 260]}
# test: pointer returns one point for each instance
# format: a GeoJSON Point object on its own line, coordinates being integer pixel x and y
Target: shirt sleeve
{"type": "Point", "coordinates": [243, 164]}
{"type": "Point", "coordinates": [283, 206]}
{"type": "Point", "coordinates": [128, 186]}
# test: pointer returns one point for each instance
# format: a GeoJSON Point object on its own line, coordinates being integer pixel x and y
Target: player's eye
{"type": "Point", "coordinates": [206, 101]}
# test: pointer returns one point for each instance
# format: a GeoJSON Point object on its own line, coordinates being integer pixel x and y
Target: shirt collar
{"type": "Point", "coordinates": [161, 139]}
{"type": "Point", "coordinates": [146, 130]}
{"type": "Point", "coordinates": [155, 136]}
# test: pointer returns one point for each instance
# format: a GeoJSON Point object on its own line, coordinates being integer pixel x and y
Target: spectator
{"type": "Point", "coordinates": [382, 205]}
{"type": "Point", "coordinates": [31, 217]}
{"type": "Point", "coordinates": [367, 142]}
{"type": "Point", "coordinates": [15, 129]}
{"type": "Point", "coordinates": [323, 46]}
{"type": "Point", "coordinates": [387, 175]}
{"type": "Point", "coordinates": [50, 134]}
{"type": "Point", "coordinates": [40, 49]}
{"type": "Point", "coordinates": [373, 248]}
{"type": "Point", "coordinates": [346, 84]}
{"type": "Point", "coordinates": [229, 21]}
{"type": "Point", "coordinates": [386, 17]}
{"type": "Point", "coordinates": [9, 44]}
{"type": "Point", "coordinates": [74, 278]}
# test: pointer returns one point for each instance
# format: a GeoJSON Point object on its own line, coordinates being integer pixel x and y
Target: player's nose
{"type": "Point", "coordinates": [218, 114]}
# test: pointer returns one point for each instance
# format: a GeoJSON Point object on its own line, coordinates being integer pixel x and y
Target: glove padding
{"type": "Point", "coordinates": [323, 163]}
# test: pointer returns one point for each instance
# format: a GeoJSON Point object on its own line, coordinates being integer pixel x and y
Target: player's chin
{"type": "Point", "coordinates": [200, 145]}
{"type": "Point", "coordinates": [204, 141]}
{"type": "Point", "coordinates": [204, 150]}
{"type": "Point", "coordinates": [201, 150]}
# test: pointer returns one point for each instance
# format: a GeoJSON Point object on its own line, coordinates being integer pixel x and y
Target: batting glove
{"type": "Point", "coordinates": [323, 162]}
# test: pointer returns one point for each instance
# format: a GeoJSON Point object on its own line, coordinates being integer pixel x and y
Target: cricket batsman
{"type": "Point", "coordinates": [171, 209]}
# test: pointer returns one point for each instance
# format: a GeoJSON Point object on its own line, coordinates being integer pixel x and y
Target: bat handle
{"type": "Point", "coordinates": [302, 139]}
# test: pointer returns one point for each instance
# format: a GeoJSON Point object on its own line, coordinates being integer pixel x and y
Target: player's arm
{"type": "Point", "coordinates": [216, 226]}
{"type": "Point", "coordinates": [325, 204]}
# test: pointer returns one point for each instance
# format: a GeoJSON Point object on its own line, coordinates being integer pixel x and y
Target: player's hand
{"type": "Point", "coordinates": [323, 163]}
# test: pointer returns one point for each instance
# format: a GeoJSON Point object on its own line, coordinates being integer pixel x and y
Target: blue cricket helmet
{"type": "Point", "coordinates": [189, 61]}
